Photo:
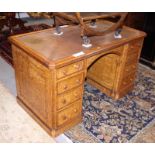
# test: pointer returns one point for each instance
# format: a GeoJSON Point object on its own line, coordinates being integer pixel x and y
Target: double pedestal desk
{"type": "Point", "coordinates": [51, 70]}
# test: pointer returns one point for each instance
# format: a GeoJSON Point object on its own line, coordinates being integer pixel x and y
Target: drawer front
{"type": "Point", "coordinates": [128, 80]}
{"type": "Point", "coordinates": [70, 69]}
{"type": "Point", "coordinates": [70, 83]}
{"type": "Point", "coordinates": [129, 69]}
{"type": "Point", "coordinates": [133, 52]}
{"type": "Point", "coordinates": [132, 58]}
{"type": "Point", "coordinates": [69, 97]}
{"type": "Point", "coordinates": [135, 46]}
{"type": "Point", "coordinates": [69, 113]}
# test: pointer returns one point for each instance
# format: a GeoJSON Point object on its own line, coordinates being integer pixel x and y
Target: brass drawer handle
{"type": "Point", "coordinates": [127, 70]}
{"type": "Point", "coordinates": [78, 81]}
{"type": "Point", "coordinates": [77, 66]}
{"type": "Point", "coordinates": [64, 72]}
{"type": "Point", "coordinates": [124, 83]}
{"type": "Point", "coordinates": [75, 110]}
{"type": "Point", "coordinates": [134, 67]}
{"type": "Point", "coordinates": [138, 44]}
{"type": "Point", "coordinates": [132, 47]}
{"type": "Point", "coordinates": [131, 79]}
{"type": "Point", "coordinates": [76, 95]}
{"type": "Point", "coordinates": [64, 117]}
{"type": "Point", "coordinates": [65, 87]}
{"type": "Point", "coordinates": [64, 101]}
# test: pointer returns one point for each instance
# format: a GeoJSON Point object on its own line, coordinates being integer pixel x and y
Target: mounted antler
{"type": "Point", "coordinates": [88, 23]}
{"type": "Point", "coordinates": [87, 30]}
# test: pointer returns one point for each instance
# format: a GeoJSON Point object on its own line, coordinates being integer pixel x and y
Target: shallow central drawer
{"type": "Point", "coordinates": [70, 83]}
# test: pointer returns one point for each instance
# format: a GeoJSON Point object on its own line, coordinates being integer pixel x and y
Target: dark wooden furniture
{"type": "Point", "coordinates": [84, 18]}
{"type": "Point", "coordinates": [9, 19]}
{"type": "Point", "coordinates": [145, 21]}
{"type": "Point", "coordinates": [51, 71]}
{"type": "Point", "coordinates": [47, 15]}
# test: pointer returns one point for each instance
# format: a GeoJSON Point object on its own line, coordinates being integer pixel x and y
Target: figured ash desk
{"type": "Point", "coordinates": [50, 74]}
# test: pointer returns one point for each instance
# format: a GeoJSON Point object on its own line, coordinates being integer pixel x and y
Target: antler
{"type": "Point", "coordinates": [86, 29]}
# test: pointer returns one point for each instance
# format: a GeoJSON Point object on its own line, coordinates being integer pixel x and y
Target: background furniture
{"type": "Point", "coordinates": [145, 21]}
{"type": "Point", "coordinates": [50, 77]}
{"type": "Point", "coordinates": [9, 19]}
{"type": "Point", "coordinates": [83, 19]}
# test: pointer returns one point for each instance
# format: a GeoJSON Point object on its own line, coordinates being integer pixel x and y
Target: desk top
{"type": "Point", "coordinates": [50, 49]}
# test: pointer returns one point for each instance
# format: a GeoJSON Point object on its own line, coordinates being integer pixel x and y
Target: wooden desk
{"type": "Point", "coordinates": [50, 77]}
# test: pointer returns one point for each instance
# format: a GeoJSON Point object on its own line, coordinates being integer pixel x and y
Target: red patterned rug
{"type": "Point", "coordinates": [5, 46]}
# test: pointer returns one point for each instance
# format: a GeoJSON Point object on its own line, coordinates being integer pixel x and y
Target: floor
{"type": "Point", "coordinates": [7, 78]}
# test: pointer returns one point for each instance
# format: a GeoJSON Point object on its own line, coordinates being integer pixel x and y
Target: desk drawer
{"type": "Point", "coordinates": [70, 113]}
{"type": "Point", "coordinates": [134, 47]}
{"type": "Point", "coordinates": [69, 97]}
{"type": "Point", "coordinates": [70, 69]}
{"type": "Point", "coordinates": [127, 80]}
{"type": "Point", "coordinates": [129, 69]}
{"type": "Point", "coordinates": [132, 59]}
{"type": "Point", "coordinates": [70, 83]}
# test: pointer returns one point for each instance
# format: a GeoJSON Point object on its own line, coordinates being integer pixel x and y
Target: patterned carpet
{"type": "Point", "coordinates": [5, 46]}
{"type": "Point", "coordinates": [106, 120]}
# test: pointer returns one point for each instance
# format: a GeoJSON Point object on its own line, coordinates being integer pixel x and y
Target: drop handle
{"type": "Point", "coordinates": [127, 70]}
{"type": "Point", "coordinates": [124, 83]}
{"type": "Point", "coordinates": [65, 87]}
{"type": "Point", "coordinates": [76, 95]}
{"type": "Point", "coordinates": [132, 47]}
{"type": "Point", "coordinates": [64, 101]}
{"type": "Point", "coordinates": [133, 67]}
{"type": "Point", "coordinates": [75, 110]}
{"type": "Point", "coordinates": [64, 72]}
{"type": "Point", "coordinates": [138, 44]}
{"type": "Point", "coordinates": [64, 117]}
{"type": "Point", "coordinates": [78, 81]}
{"type": "Point", "coordinates": [77, 66]}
